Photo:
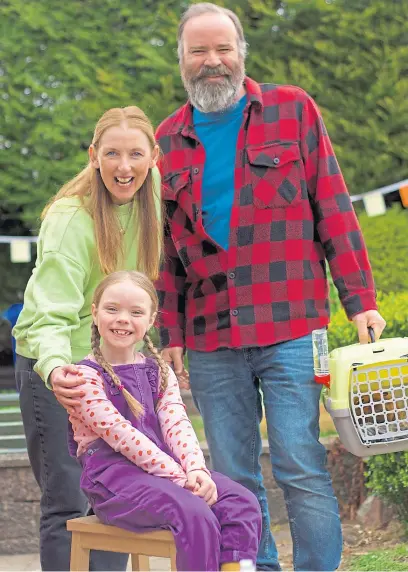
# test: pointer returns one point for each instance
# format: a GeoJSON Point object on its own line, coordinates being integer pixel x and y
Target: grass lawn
{"type": "Point", "coordinates": [326, 425]}
{"type": "Point", "coordinates": [391, 559]}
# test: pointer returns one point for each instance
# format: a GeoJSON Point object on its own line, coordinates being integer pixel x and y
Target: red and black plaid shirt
{"type": "Point", "coordinates": [291, 211]}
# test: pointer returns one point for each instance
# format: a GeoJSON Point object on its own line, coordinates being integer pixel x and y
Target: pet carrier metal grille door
{"type": "Point", "coordinates": [379, 401]}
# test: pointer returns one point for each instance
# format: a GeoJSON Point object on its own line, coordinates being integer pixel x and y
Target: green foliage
{"type": "Point", "coordinates": [393, 308]}
{"type": "Point", "coordinates": [387, 477]}
{"type": "Point", "coordinates": [64, 63]}
{"type": "Point", "coordinates": [392, 559]}
{"type": "Point", "coordinates": [386, 237]}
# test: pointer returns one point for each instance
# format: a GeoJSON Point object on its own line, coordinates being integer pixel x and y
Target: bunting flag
{"type": "Point", "coordinates": [404, 196]}
{"type": "Point", "coordinates": [20, 247]}
{"type": "Point", "coordinates": [20, 251]}
{"type": "Point", "coordinates": [374, 204]}
{"type": "Point", "coordinates": [374, 201]}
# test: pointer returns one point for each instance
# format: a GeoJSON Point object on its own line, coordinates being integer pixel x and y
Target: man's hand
{"type": "Point", "coordinates": [370, 318]}
{"type": "Point", "coordinates": [65, 382]}
{"type": "Point", "coordinates": [202, 485]}
{"type": "Point", "coordinates": [174, 357]}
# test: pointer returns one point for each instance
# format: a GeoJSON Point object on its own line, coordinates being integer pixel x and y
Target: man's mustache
{"type": "Point", "coordinates": [207, 71]}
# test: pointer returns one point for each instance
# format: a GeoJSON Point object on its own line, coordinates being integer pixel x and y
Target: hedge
{"type": "Point", "coordinates": [394, 309]}
{"type": "Point", "coordinates": [386, 237]}
{"type": "Point", "coordinates": [387, 477]}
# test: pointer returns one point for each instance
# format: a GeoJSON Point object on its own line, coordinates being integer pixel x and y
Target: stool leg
{"type": "Point", "coordinates": [173, 565]}
{"type": "Point", "coordinates": [140, 563]}
{"type": "Point", "coordinates": [79, 555]}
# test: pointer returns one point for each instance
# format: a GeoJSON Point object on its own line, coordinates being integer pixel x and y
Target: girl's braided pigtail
{"type": "Point", "coordinates": [135, 406]}
{"type": "Point", "coordinates": [163, 367]}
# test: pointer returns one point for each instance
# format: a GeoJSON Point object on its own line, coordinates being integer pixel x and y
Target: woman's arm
{"type": "Point", "coordinates": [58, 295]}
{"type": "Point", "coordinates": [54, 297]}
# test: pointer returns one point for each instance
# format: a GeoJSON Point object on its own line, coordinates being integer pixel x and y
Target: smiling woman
{"type": "Point", "coordinates": [123, 157]}
{"type": "Point", "coordinates": [107, 218]}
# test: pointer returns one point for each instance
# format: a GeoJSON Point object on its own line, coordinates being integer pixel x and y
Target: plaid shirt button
{"type": "Point", "coordinates": [276, 160]}
{"type": "Point", "coordinates": [231, 275]}
{"type": "Point", "coordinates": [234, 312]}
{"type": "Point", "coordinates": [196, 171]}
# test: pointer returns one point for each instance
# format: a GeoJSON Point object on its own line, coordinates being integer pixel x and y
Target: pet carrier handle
{"type": "Point", "coordinates": [371, 334]}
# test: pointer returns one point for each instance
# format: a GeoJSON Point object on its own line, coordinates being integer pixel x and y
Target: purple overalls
{"type": "Point", "coordinates": [124, 495]}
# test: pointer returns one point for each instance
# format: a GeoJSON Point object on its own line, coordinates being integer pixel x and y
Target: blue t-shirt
{"type": "Point", "coordinates": [218, 132]}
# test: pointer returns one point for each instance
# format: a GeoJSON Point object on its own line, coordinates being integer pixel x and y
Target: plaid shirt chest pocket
{"type": "Point", "coordinates": [177, 188]}
{"type": "Point", "coordinates": [276, 173]}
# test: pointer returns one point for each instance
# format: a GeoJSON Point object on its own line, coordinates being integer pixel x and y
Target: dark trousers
{"type": "Point", "coordinates": [57, 474]}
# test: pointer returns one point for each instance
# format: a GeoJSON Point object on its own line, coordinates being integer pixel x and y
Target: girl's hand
{"type": "Point", "coordinates": [65, 382]}
{"type": "Point", "coordinates": [201, 484]}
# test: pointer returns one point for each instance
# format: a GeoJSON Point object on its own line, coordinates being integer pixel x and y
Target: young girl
{"type": "Point", "coordinates": [142, 465]}
{"type": "Point", "coordinates": [107, 218]}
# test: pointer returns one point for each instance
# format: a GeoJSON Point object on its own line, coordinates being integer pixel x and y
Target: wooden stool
{"type": "Point", "coordinates": [88, 533]}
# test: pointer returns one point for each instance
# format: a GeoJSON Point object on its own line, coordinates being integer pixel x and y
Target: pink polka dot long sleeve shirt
{"type": "Point", "coordinates": [97, 417]}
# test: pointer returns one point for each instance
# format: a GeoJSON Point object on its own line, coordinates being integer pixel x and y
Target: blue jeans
{"type": "Point", "coordinates": [226, 387]}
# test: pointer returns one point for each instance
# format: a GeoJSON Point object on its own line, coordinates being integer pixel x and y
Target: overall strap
{"type": "Point", "coordinates": [152, 373]}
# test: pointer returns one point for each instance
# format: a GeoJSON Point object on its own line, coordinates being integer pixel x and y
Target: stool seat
{"type": "Point", "coordinates": [88, 533]}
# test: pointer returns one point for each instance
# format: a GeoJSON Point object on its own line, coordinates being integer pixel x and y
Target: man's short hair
{"type": "Point", "coordinates": [208, 8]}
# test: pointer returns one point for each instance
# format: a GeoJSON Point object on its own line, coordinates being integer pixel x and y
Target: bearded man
{"type": "Point", "coordinates": [256, 204]}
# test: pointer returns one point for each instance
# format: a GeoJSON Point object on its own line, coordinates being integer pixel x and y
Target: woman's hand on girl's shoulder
{"type": "Point", "coordinates": [65, 382]}
{"type": "Point", "coordinates": [201, 484]}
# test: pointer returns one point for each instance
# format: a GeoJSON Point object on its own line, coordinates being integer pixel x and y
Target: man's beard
{"type": "Point", "coordinates": [209, 96]}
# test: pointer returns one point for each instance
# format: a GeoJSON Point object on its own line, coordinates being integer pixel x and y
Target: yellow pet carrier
{"type": "Point", "coordinates": [368, 396]}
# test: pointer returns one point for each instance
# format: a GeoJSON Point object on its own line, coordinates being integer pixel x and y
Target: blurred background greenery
{"type": "Point", "coordinates": [63, 63]}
